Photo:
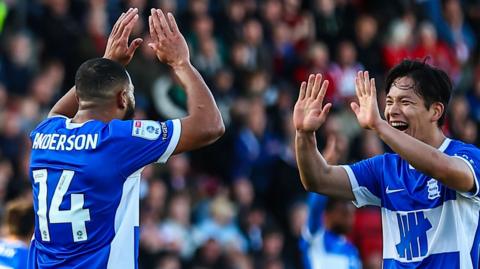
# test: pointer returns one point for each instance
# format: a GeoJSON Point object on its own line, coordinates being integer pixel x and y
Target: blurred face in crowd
{"type": "Point", "coordinates": [236, 11]}
{"type": "Point", "coordinates": [272, 11]}
{"type": "Point", "coordinates": [347, 54]}
{"type": "Point", "coordinates": [340, 218]}
{"type": "Point", "coordinates": [273, 244]}
{"type": "Point", "coordinates": [405, 110]}
{"type": "Point", "coordinates": [366, 29]}
{"type": "Point", "coordinates": [318, 55]}
{"type": "Point", "coordinates": [253, 32]}
{"type": "Point", "coordinates": [20, 49]}
{"type": "Point", "coordinates": [180, 209]}
{"type": "Point", "coordinates": [169, 262]}
{"type": "Point", "coordinates": [203, 26]}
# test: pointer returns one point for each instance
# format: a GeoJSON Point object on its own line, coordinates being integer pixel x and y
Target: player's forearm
{"type": "Point", "coordinates": [202, 109]}
{"type": "Point", "coordinates": [427, 159]}
{"type": "Point", "coordinates": [67, 105]}
{"type": "Point", "coordinates": [311, 164]}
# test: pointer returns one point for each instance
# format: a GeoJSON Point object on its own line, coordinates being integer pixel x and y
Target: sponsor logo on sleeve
{"type": "Point", "coordinates": [164, 130]}
{"type": "Point", "coordinates": [146, 129]}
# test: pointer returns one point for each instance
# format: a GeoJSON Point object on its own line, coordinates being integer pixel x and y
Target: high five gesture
{"type": "Point", "coordinates": [167, 41]}
{"type": "Point", "coordinates": [309, 112]}
{"type": "Point", "coordinates": [366, 109]}
{"type": "Point", "coordinates": [117, 45]}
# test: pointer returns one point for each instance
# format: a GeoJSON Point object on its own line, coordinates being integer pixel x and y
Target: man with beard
{"type": "Point", "coordinates": [88, 155]}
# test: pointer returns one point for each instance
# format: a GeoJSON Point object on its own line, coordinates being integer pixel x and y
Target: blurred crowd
{"type": "Point", "coordinates": [238, 203]}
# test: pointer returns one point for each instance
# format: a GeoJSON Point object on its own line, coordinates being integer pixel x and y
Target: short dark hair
{"type": "Point", "coordinates": [19, 217]}
{"type": "Point", "coordinates": [430, 83]}
{"type": "Point", "coordinates": [99, 78]}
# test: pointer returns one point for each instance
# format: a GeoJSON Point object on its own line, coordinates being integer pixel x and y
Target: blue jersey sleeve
{"type": "Point", "coordinates": [316, 204]}
{"type": "Point", "coordinates": [365, 178]}
{"type": "Point", "coordinates": [471, 156]}
{"type": "Point", "coordinates": [141, 142]}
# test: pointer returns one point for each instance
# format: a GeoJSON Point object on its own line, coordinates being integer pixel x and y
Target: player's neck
{"type": "Point", "coordinates": [90, 114]}
{"type": "Point", "coordinates": [436, 138]}
{"type": "Point", "coordinates": [93, 111]}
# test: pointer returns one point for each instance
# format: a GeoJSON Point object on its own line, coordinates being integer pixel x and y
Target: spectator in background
{"type": "Point", "coordinates": [18, 226]}
{"type": "Point", "coordinates": [207, 58]}
{"type": "Point", "coordinates": [284, 55]}
{"type": "Point", "coordinates": [18, 63]}
{"type": "Point", "coordinates": [175, 230]}
{"type": "Point", "coordinates": [224, 92]}
{"type": "Point", "coordinates": [272, 248]}
{"type": "Point", "coordinates": [229, 23]}
{"type": "Point", "coordinates": [328, 22]}
{"type": "Point", "coordinates": [317, 60]}
{"type": "Point", "coordinates": [368, 44]}
{"type": "Point", "coordinates": [168, 261]}
{"type": "Point", "coordinates": [458, 116]}
{"type": "Point", "coordinates": [259, 55]}
{"type": "Point", "coordinates": [473, 96]}
{"type": "Point", "coordinates": [343, 72]}
{"type": "Point", "coordinates": [255, 147]}
{"type": "Point", "coordinates": [301, 24]}
{"type": "Point", "coordinates": [440, 54]}
{"type": "Point", "coordinates": [220, 227]}
{"type": "Point", "coordinates": [448, 18]}
{"type": "Point", "coordinates": [324, 243]}
{"type": "Point", "coordinates": [398, 44]}
{"type": "Point", "coordinates": [271, 12]}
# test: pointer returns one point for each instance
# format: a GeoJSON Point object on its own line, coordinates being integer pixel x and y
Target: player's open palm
{"type": "Point", "coordinates": [167, 41]}
{"type": "Point", "coordinates": [366, 109]}
{"type": "Point", "coordinates": [309, 112]}
{"type": "Point", "coordinates": [117, 45]}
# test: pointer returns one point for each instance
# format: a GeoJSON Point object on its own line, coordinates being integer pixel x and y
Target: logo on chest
{"type": "Point", "coordinates": [433, 189]}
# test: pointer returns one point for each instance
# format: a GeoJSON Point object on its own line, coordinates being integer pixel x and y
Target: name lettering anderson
{"type": "Point", "coordinates": [64, 142]}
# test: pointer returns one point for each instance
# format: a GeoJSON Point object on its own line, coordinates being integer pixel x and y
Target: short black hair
{"type": "Point", "coordinates": [99, 78]}
{"type": "Point", "coordinates": [430, 83]}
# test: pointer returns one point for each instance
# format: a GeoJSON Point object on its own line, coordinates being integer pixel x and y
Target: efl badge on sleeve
{"type": "Point", "coordinates": [146, 129]}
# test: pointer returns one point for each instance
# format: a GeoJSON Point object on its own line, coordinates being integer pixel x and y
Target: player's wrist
{"type": "Point", "coordinates": [304, 133]}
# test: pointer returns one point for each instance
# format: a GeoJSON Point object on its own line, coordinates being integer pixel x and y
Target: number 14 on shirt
{"type": "Point", "coordinates": [76, 215]}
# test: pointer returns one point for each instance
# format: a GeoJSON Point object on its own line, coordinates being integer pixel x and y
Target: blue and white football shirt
{"type": "Point", "coordinates": [13, 254]}
{"type": "Point", "coordinates": [322, 248]}
{"type": "Point", "coordinates": [85, 180]}
{"type": "Point", "coordinates": [425, 224]}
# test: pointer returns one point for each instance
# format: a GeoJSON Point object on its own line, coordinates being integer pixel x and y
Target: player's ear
{"type": "Point", "coordinates": [437, 109]}
{"type": "Point", "coordinates": [122, 99]}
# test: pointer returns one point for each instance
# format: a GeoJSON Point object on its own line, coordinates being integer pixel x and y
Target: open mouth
{"type": "Point", "coordinates": [399, 125]}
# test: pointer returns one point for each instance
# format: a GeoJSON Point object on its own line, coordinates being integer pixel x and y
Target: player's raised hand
{"type": "Point", "coordinates": [117, 46]}
{"type": "Point", "coordinates": [309, 112]}
{"type": "Point", "coordinates": [366, 109]}
{"type": "Point", "coordinates": [167, 41]}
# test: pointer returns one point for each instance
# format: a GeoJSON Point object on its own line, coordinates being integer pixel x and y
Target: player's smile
{"type": "Point", "coordinates": [399, 125]}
